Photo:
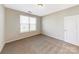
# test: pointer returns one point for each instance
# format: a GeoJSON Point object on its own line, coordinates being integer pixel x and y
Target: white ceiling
{"type": "Point", "coordinates": [47, 9]}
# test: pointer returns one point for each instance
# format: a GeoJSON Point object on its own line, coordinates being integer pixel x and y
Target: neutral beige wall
{"type": "Point", "coordinates": [2, 17]}
{"type": "Point", "coordinates": [13, 25]}
{"type": "Point", "coordinates": [53, 24]}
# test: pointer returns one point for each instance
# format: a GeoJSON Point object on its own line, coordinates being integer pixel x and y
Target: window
{"type": "Point", "coordinates": [27, 23]}
{"type": "Point", "coordinates": [24, 24]}
{"type": "Point", "coordinates": [32, 24]}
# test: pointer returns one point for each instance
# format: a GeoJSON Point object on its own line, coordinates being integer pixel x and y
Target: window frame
{"type": "Point", "coordinates": [33, 24]}
{"type": "Point", "coordinates": [29, 24]}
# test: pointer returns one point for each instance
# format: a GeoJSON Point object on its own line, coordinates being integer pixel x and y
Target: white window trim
{"type": "Point", "coordinates": [29, 25]}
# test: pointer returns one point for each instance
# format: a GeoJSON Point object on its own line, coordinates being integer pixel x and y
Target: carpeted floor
{"type": "Point", "coordinates": [39, 44]}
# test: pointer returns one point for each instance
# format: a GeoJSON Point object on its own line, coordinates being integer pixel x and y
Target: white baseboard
{"type": "Point", "coordinates": [77, 44]}
{"type": "Point", "coordinates": [1, 47]}
{"type": "Point", "coordinates": [20, 37]}
{"type": "Point", "coordinates": [52, 36]}
{"type": "Point", "coordinates": [14, 39]}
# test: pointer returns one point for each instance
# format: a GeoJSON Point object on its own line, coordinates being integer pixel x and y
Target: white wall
{"type": "Point", "coordinates": [1, 27]}
{"type": "Point", "coordinates": [53, 24]}
{"type": "Point", "coordinates": [13, 26]}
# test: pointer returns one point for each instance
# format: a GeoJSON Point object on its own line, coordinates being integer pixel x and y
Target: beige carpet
{"type": "Point", "coordinates": [39, 44]}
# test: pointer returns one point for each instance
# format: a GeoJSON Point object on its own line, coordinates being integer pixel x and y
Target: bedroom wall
{"type": "Point", "coordinates": [2, 18]}
{"type": "Point", "coordinates": [13, 25]}
{"type": "Point", "coordinates": [53, 24]}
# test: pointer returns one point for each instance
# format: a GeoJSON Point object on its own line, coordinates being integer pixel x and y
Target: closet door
{"type": "Point", "coordinates": [70, 34]}
{"type": "Point", "coordinates": [77, 22]}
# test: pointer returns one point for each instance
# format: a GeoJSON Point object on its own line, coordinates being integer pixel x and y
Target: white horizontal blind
{"type": "Point", "coordinates": [32, 23]}
{"type": "Point", "coordinates": [27, 24]}
{"type": "Point", "coordinates": [24, 21]}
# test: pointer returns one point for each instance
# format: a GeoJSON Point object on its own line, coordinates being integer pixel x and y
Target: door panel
{"type": "Point", "coordinates": [77, 22]}
{"type": "Point", "coordinates": [70, 29]}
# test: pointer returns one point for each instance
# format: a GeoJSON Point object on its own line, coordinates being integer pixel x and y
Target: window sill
{"type": "Point", "coordinates": [27, 32]}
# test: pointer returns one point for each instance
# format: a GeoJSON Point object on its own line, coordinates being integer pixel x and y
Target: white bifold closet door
{"type": "Point", "coordinates": [71, 29]}
{"type": "Point", "coordinates": [77, 22]}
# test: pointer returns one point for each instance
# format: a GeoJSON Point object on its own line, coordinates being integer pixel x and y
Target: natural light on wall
{"type": "Point", "coordinates": [27, 23]}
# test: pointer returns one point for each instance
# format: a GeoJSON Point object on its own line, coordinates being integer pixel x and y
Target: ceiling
{"type": "Point", "coordinates": [39, 11]}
